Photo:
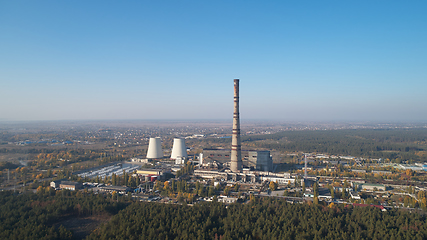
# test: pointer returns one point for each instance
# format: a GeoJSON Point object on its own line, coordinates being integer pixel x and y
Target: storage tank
{"type": "Point", "coordinates": [179, 149]}
{"type": "Point", "coordinates": [155, 148]}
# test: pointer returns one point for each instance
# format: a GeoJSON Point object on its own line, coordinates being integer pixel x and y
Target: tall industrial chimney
{"type": "Point", "coordinates": [236, 154]}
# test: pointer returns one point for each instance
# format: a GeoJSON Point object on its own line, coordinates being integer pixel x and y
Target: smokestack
{"type": "Point", "coordinates": [236, 154]}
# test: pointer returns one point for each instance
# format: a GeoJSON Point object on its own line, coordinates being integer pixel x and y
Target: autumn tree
{"type": "Point", "coordinates": [273, 186]}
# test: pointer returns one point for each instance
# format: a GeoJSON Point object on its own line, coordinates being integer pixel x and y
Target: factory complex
{"type": "Point", "coordinates": [249, 172]}
{"type": "Point", "coordinates": [232, 164]}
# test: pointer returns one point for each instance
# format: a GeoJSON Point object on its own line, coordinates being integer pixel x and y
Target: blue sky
{"type": "Point", "coordinates": [296, 60]}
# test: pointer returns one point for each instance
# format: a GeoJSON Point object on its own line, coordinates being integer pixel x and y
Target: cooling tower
{"type": "Point", "coordinates": [154, 148]}
{"type": "Point", "coordinates": [179, 149]}
{"type": "Point", "coordinates": [236, 148]}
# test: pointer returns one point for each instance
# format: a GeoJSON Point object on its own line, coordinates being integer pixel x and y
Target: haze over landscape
{"type": "Point", "coordinates": [311, 60]}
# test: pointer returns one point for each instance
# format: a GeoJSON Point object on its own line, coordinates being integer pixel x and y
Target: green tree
{"type": "Point", "coordinates": [137, 180]}
{"type": "Point", "coordinates": [114, 179]}
{"type": "Point", "coordinates": [211, 191]}
{"type": "Point", "coordinates": [316, 192]}
{"type": "Point", "coordinates": [344, 194]}
{"type": "Point", "coordinates": [316, 200]}
{"type": "Point", "coordinates": [226, 191]}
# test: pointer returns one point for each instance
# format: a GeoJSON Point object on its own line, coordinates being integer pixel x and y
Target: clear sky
{"type": "Point", "coordinates": [296, 60]}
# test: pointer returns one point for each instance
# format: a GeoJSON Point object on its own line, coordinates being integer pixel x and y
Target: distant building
{"type": "Point", "coordinates": [381, 172]}
{"type": "Point", "coordinates": [55, 184]}
{"type": "Point", "coordinates": [246, 176]}
{"type": "Point", "coordinates": [278, 180]}
{"type": "Point", "coordinates": [369, 186]}
{"type": "Point", "coordinates": [259, 160]}
{"type": "Point", "coordinates": [220, 155]}
{"type": "Point", "coordinates": [180, 160]}
{"type": "Point", "coordinates": [225, 199]}
{"type": "Point", "coordinates": [354, 195]}
{"type": "Point", "coordinates": [70, 185]}
{"type": "Point", "coordinates": [149, 172]}
{"type": "Point", "coordinates": [139, 160]}
{"type": "Point", "coordinates": [211, 174]}
{"type": "Point", "coordinates": [412, 167]}
{"type": "Point", "coordinates": [117, 189]}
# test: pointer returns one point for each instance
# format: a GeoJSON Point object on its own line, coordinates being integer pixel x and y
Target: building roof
{"type": "Point", "coordinates": [69, 183]}
{"type": "Point", "coordinates": [115, 188]}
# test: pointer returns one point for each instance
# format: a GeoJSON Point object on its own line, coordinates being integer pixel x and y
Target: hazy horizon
{"type": "Point", "coordinates": [228, 121]}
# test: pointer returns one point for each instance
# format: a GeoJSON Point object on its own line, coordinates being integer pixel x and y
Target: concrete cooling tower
{"type": "Point", "coordinates": [179, 150]}
{"type": "Point", "coordinates": [154, 148]}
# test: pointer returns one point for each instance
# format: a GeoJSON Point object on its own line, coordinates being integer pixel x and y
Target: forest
{"type": "Point", "coordinates": [266, 218]}
{"type": "Point", "coordinates": [395, 144]}
{"type": "Point", "coordinates": [34, 216]}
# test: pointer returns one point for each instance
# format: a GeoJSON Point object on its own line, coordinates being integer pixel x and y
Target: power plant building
{"type": "Point", "coordinates": [259, 160]}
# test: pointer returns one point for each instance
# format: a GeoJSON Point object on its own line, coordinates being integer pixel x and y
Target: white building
{"type": "Point", "coordinates": [225, 199]}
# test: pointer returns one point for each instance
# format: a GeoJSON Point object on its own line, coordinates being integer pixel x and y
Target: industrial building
{"type": "Point", "coordinates": [149, 172]}
{"type": "Point", "coordinates": [152, 174]}
{"type": "Point", "coordinates": [246, 176]}
{"type": "Point", "coordinates": [369, 186]}
{"type": "Point", "coordinates": [55, 184]}
{"type": "Point", "coordinates": [278, 180]}
{"type": "Point", "coordinates": [139, 160]}
{"type": "Point", "coordinates": [70, 185]}
{"type": "Point", "coordinates": [259, 160]}
{"type": "Point", "coordinates": [117, 189]}
{"type": "Point", "coordinates": [227, 200]}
